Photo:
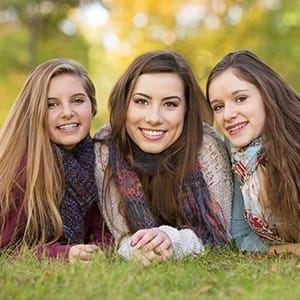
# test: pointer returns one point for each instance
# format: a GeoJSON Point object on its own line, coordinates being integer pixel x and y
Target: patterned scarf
{"type": "Point", "coordinates": [248, 163]}
{"type": "Point", "coordinates": [199, 207]}
{"type": "Point", "coordinates": [80, 189]}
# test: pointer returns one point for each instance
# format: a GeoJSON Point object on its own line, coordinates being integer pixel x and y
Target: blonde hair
{"type": "Point", "coordinates": [29, 165]}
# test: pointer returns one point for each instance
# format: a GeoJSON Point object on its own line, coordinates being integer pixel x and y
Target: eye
{"type": "Point", "coordinates": [240, 98]}
{"type": "Point", "coordinates": [141, 101]}
{"type": "Point", "coordinates": [52, 104]}
{"type": "Point", "coordinates": [217, 107]}
{"type": "Point", "coordinates": [170, 104]}
{"type": "Point", "coordinates": [78, 100]}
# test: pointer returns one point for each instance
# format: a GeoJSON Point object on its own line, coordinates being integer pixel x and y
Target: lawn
{"type": "Point", "coordinates": [222, 274]}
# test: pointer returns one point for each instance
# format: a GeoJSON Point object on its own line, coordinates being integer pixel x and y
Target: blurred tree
{"type": "Point", "coordinates": [205, 30]}
{"type": "Point", "coordinates": [202, 30]}
{"type": "Point", "coordinates": [34, 30]}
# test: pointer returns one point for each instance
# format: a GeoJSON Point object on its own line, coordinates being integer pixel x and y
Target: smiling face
{"type": "Point", "coordinates": [155, 116]}
{"type": "Point", "coordinates": [69, 111]}
{"type": "Point", "coordinates": [238, 108]}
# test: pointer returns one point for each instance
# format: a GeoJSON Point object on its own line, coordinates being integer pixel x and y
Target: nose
{"type": "Point", "coordinates": [154, 115]}
{"type": "Point", "coordinates": [67, 110]}
{"type": "Point", "coordinates": [230, 112]}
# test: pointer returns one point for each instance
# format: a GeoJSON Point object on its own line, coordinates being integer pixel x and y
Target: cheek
{"type": "Point", "coordinates": [218, 119]}
{"type": "Point", "coordinates": [50, 121]}
{"type": "Point", "coordinates": [261, 122]}
{"type": "Point", "coordinates": [180, 124]}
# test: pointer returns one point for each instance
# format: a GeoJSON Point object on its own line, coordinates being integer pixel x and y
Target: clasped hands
{"type": "Point", "coordinates": [151, 245]}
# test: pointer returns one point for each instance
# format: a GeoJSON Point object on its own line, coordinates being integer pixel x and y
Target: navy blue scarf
{"type": "Point", "coordinates": [80, 189]}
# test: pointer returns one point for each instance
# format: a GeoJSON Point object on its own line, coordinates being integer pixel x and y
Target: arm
{"type": "Point", "coordinates": [286, 248]}
{"type": "Point", "coordinates": [96, 230]}
{"type": "Point", "coordinates": [96, 236]}
{"type": "Point", "coordinates": [13, 230]}
{"type": "Point", "coordinates": [216, 169]}
{"type": "Point", "coordinates": [164, 241]}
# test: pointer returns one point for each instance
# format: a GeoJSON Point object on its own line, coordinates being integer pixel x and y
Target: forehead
{"type": "Point", "coordinates": [66, 78]}
{"type": "Point", "coordinates": [156, 82]}
{"type": "Point", "coordinates": [66, 83]}
{"type": "Point", "coordinates": [228, 81]}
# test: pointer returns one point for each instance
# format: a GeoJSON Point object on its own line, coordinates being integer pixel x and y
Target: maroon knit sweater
{"type": "Point", "coordinates": [95, 232]}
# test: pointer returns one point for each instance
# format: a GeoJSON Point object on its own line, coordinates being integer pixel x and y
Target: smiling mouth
{"type": "Point", "coordinates": [68, 126]}
{"type": "Point", "coordinates": [153, 133]}
{"type": "Point", "coordinates": [233, 129]}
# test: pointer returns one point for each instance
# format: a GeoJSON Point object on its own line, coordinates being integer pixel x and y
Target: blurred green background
{"type": "Point", "coordinates": [106, 35]}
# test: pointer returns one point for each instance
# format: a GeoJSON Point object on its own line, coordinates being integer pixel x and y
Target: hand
{"type": "Point", "coordinates": [293, 248]}
{"type": "Point", "coordinates": [151, 245]}
{"type": "Point", "coordinates": [82, 253]}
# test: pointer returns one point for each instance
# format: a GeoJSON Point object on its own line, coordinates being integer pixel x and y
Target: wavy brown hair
{"type": "Point", "coordinates": [281, 134]}
{"type": "Point", "coordinates": [162, 189]}
{"type": "Point", "coordinates": [29, 165]}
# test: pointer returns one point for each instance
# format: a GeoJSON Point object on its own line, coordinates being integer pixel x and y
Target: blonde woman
{"type": "Point", "coordinates": [48, 196]}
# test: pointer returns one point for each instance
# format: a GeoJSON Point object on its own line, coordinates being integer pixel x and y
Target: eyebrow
{"type": "Point", "coordinates": [239, 91]}
{"type": "Point", "coordinates": [73, 95]}
{"type": "Point", "coordinates": [233, 93]}
{"type": "Point", "coordinates": [165, 98]}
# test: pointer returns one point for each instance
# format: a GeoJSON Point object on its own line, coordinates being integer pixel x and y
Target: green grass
{"type": "Point", "coordinates": [222, 274]}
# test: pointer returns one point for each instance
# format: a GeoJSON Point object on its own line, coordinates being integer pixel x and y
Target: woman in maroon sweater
{"type": "Point", "coordinates": [48, 195]}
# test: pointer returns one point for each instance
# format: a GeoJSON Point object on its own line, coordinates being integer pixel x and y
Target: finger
{"type": "Point", "coordinates": [148, 238]}
{"type": "Point", "coordinates": [152, 256]}
{"type": "Point", "coordinates": [139, 256]}
{"type": "Point", "coordinates": [91, 248]}
{"type": "Point", "coordinates": [142, 237]}
{"type": "Point", "coordinates": [83, 252]}
{"type": "Point", "coordinates": [161, 241]}
{"type": "Point", "coordinates": [166, 254]}
{"type": "Point", "coordinates": [162, 246]}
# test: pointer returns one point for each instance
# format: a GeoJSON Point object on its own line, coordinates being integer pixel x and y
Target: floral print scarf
{"type": "Point", "coordinates": [249, 164]}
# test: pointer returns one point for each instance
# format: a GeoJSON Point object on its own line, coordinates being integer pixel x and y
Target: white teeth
{"type": "Point", "coordinates": [153, 132]}
{"type": "Point", "coordinates": [236, 128]}
{"type": "Point", "coordinates": [68, 126]}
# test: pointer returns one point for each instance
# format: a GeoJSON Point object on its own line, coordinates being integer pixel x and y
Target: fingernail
{"type": "Point", "coordinates": [93, 247]}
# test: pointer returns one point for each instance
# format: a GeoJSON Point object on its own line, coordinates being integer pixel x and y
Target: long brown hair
{"type": "Point", "coordinates": [28, 164]}
{"type": "Point", "coordinates": [281, 134]}
{"type": "Point", "coordinates": [163, 188]}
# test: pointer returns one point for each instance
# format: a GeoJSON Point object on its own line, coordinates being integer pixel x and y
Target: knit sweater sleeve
{"type": "Point", "coordinates": [185, 242]}
{"type": "Point", "coordinates": [215, 163]}
{"type": "Point", "coordinates": [95, 232]}
{"type": "Point", "coordinates": [110, 197]}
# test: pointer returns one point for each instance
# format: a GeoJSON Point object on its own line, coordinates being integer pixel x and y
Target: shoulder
{"type": "Point", "coordinates": [212, 143]}
{"type": "Point", "coordinates": [102, 132]}
{"type": "Point", "coordinates": [101, 149]}
{"type": "Point", "coordinates": [215, 163]}
{"type": "Point", "coordinates": [213, 154]}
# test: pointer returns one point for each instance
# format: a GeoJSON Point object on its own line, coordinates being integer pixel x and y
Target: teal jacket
{"type": "Point", "coordinates": [245, 238]}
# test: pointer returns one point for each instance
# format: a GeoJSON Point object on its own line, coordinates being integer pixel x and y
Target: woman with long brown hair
{"type": "Point", "coordinates": [259, 113]}
{"type": "Point", "coordinates": [163, 175]}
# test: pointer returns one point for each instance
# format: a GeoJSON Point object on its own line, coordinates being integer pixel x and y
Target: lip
{"type": "Point", "coordinates": [236, 128]}
{"type": "Point", "coordinates": [152, 134]}
{"type": "Point", "coordinates": [68, 126]}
